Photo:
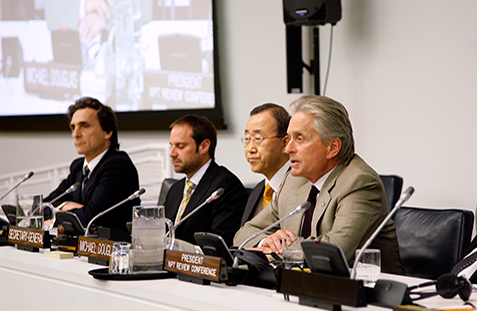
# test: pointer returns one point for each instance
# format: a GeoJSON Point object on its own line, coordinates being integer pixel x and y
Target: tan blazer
{"type": "Point", "coordinates": [350, 206]}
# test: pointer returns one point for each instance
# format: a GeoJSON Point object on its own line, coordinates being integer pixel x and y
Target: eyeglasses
{"type": "Point", "coordinates": [257, 140]}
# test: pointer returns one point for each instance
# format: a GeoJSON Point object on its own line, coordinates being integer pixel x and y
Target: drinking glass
{"type": "Point", "coordinates": [292, 253]}
{"type": "Point", "coordinates": [122, 256]}
{"type": "Point", "coordinates": [369, 266]}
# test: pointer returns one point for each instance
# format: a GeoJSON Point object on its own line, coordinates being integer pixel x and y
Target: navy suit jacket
{"type": "Point", "coordinates": [221, 217]}
{"type": "Point", "coordinates": [114, 179]}
{"type": "Point", "coordinates": [254, 199]}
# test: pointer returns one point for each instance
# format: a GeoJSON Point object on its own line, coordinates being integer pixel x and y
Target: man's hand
{"type": "Point", "coordinates": [47, 223]}
{"type": "Point", "coordinates": [262, 249]}
{"type": "Point", "coordinates": [90, 27]}
{"type": "Point", "coordinates": [274, 241]}
{"type": "Point", "coordinates": [100, 7]}
{"type": "Point", "coordinates": [70, 205]}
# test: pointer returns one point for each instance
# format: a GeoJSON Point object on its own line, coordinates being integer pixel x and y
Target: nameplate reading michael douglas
{"type": "Point", "coordinates": [94, 247]}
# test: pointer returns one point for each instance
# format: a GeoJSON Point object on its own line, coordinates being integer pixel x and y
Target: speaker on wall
{"type": "Point", "coordinates": [294, 60]}
{"type": "Point", "coordinates": [297, 13]}
{"type": "Point", "coordinates": [311, 12]}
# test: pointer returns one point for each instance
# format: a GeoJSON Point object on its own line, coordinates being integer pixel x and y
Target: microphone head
{"type": "Point", "coordinates": [27, 176]}
{"type": "Point", "coordinates": [409, 191]}
{"type": "Point", "coordinates": [217, 193]}
{"type": "Point", "coordinates": [303, 207]}
{"type": "Point", "coordinates": [407, 194]}
{"type": "Point", "coordinates": [73, 187]}
{"type": "Point", "coordinates": [137, 194]}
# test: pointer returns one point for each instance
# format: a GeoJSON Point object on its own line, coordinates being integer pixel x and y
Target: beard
{"type": "Point", "coordinates": [187, 167]}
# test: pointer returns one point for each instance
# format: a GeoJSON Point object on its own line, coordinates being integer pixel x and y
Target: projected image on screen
{"type": "Point", "coordinates": [136, 55]}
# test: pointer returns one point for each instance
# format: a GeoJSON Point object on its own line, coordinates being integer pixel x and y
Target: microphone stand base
{"type": "Point", "coordinates": [235, 276]}
{"type": "Point", "coordinates": [322, 289]}
{"type": "Point", "coordinates": [66, 241]}
{"type": "Point", "coordinates": [28, 248]}
{"type": "Point", "coordinates": [4, 237]}
{"type": "Point", "coordinates": [316, 303]}
{"type": "Point", "coordinates": [389, 294]}
{"type": "Point", "coordinates": [263, 278]}
{"type": "Point", "coordinates": [3, 240]}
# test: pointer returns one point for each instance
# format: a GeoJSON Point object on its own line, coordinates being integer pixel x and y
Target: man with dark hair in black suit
{"type": "Point", "coordinates": [193, 140]}
{"type": "Point", "coordinates": [108, 175]}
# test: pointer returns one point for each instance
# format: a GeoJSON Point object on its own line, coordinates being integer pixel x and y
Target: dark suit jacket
{"type": "Point", "coordinates": [113, 179]}
{"type": "Point", "coordinates": [221, 217]}
{"type": "Point", "coordinates": [254, 199]}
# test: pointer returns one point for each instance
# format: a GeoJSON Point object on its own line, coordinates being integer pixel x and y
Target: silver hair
{"type": "Point", "coordinates": [331, 121]}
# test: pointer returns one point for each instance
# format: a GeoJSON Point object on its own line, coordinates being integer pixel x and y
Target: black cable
{"type": "Point", "coordinates": [329, 60]}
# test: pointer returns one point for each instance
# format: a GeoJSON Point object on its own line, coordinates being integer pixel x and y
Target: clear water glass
{"type": "Point", "coordinates": [292, 253]}
{"type": "Point", "coordinates": [369, 266]}
{"type": "Point", "coordinates": [122, 256]}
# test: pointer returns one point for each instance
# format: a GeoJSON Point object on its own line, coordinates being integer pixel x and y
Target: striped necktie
{"type": "Point", "coordinates": [267, 196]}
{"type": "Point", "coordinates": [189, 186]}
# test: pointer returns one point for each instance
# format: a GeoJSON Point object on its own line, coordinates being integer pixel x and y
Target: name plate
{"type": "Point", "coordinates": [30, 237]}
{"type": "Point", "coordinates": [199, 266]}
{"type": "Point", "coordinates": [52, 78]}
{"type": "Point", "coordinates": [92, 247]}
{"type": "Point", "coordinates": [169, 88]}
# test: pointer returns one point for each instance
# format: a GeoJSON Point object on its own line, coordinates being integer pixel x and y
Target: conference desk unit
{"type": "Point", "coordinates": [30, 281]}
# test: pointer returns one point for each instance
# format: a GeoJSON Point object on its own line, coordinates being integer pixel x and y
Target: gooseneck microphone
{"type": "Point", "coordinates": [71, 189]}
{"type": "Point", "coordinates": [25, 178]}
{"type": "Point", "coordinates": [403, 199]}
{"type": "Point", "coordinates": [53, 209]}
{"type": "Point", "coordinates": [214, 196]}
{"type": "Point", "coordinates": [133, 196]}
{"type": "Point", "coordinates": [299, 209]}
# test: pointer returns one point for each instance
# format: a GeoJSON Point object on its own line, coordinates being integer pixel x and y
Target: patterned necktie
{"type": "Point", "coordinates": [267, 196]}
{"type": "Point", "coordinates": [85, 180]}
{"type": "Point", "coordinates": [306, 229]}
{"type": "Point", "coordinates": [189, 186]}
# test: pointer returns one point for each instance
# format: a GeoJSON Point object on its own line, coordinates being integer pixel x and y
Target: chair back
{"type": "Point", "coordinates": [393, 187]}
{"type": "Point", "coordinates": [431, 241]}
{"type": "Point", "coordinates": [166, 185]}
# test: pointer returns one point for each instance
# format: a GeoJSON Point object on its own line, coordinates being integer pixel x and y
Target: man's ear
{"type": "Point", "coordinates": [334, 148]}
{"type": "Point", "coordinates": [204, 146]}
{"type": "Point", "coordinates": [285, 141]}
{"type": "Point", "coordinates": [108, 135]}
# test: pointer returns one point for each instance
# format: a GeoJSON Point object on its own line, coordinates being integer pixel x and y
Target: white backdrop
{"type": "Point", "coordinates": [406, 70]}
